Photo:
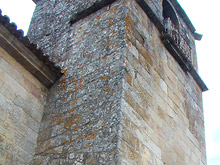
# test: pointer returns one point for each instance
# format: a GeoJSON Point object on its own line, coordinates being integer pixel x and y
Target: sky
{"type": "Point", "coordinates": [205, 17]}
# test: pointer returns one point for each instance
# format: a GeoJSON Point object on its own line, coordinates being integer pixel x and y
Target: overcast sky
{"type": "Point", "coordinates": [204, 15]}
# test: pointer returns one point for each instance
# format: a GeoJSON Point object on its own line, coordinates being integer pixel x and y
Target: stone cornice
{"type": "Point", "coordinates": [171, 46]}
{"type": "Point", "coordinates": [26, 58]}
{"type": "Point", "coordinates": [92, 9]}
{"type": "Point", "coordinates": [27, 54]}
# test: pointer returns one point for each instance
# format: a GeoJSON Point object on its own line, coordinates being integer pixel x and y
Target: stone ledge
{"type": "Point", "coordinates": [26, 58]}
{"type": "Point", "coordinates": [182, 60]}
{"type": "Point", "coordinates": [171, 46]}
{"type": "Point", "coordinates": [92, 9]}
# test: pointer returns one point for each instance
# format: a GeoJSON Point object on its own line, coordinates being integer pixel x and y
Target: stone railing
{"type": "Point", "coordinates": [178, 36]}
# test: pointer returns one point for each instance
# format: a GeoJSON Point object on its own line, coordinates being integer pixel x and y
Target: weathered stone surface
{"type": "Point", "coordinates": [85, 115]}
{"type": "Point", "coordinates": [21, 109]}
{"type": "Point", "coordinates": [123, 99]}
{"type": "Point", "coordinates": [162, 91]}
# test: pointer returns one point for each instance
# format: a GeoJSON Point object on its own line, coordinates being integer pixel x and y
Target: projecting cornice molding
{"type": "Point", "coordinates": [172, 46]}
{"type": "Point", "coordinates": [27, 54]}
{"type": "Point", "coordinates": [92, 9]}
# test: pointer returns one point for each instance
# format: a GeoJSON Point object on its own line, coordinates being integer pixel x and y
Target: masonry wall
{"type": "Point", "coordinates": [162, 105]}
{"type": "Point", "coordinates": [81, 119]}
{"type": "Point", "coordinates": [123, 99]}
{"type": "Point", "coordinates": [22, 99]}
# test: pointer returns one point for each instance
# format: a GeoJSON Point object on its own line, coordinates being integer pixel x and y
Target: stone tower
{"type": "Point", "coordinates": [130, 92]}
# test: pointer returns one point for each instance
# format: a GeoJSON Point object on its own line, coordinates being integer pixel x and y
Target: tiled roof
{"type": "Point", "coordinates": [19, 34]}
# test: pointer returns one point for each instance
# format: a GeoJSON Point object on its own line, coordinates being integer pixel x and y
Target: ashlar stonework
{"type": "Point", "coordinates": [25, 76]}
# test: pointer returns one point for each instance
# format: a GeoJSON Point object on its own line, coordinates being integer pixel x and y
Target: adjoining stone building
{"type": "Point", "coordinates": [25, 76]}
{"type": "Point", "coordinates": [130, 92]}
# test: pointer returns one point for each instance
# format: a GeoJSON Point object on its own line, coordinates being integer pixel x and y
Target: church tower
{"type": "Point", "coordinates": [130, 92]}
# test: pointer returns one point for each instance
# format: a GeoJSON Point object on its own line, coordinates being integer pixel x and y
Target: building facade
{"type": "Point", "coordinates": [130, 92]}
{"type": "Point", "coordinates": [25, 76]}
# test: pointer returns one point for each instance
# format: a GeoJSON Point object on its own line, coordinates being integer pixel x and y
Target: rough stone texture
{"type": "Point", "coordinates": [162, 106]}
{"type": "Point", "coordinates": [123, 99]}
{"type": "Point", "coordinates": [81, 119]}
{"type": "Point", "coordinates": [22, 98]}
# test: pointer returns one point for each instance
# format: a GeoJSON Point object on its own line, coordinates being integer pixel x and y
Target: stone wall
{"type": "Point", "coordinates": [82, 115]}
{"type": "Point", "coordinates": [162, 105]}
{"type": "Point", "coordinates": [22, 99]}
{"type": "Point", "coordinates": [123, 99]}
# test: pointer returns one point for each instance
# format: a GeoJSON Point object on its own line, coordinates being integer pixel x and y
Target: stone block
{"type": "Point", "coordinates": [143, 52]}
{"type": "Point", "coordinates": [9, 69]}
{"type": "Point", "coordinates": [145, 155]}
{"type": "Point", "coordinates": [178, 148]}
{"type": "Point", "coordinates": [39, 94]}
{"type": "Point", "coordinates": [3, 113]}
{"type": "Point", "coordinates": [163, 86]}
{"type": "Point", "coordinates": [29, 109]}
{"type": "Point", "coordinates": [14, 86]}
{"type": "Point", "coordinates": [128, 154]}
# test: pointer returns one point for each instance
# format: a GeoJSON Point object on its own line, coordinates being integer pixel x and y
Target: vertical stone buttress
{"type": "Point", "coordinates": [81, 119]}
{"type": "Point", "coordinates": [123, 99]}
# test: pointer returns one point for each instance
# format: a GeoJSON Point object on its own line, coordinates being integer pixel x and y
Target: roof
{"type": "Point", "coordinates": [26, 53]}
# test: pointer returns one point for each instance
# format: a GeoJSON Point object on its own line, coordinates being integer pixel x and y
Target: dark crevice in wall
{"type": "Point", "coordinates": [95, 7]}
{"type": "Point", "coordinates": [168, 12]}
